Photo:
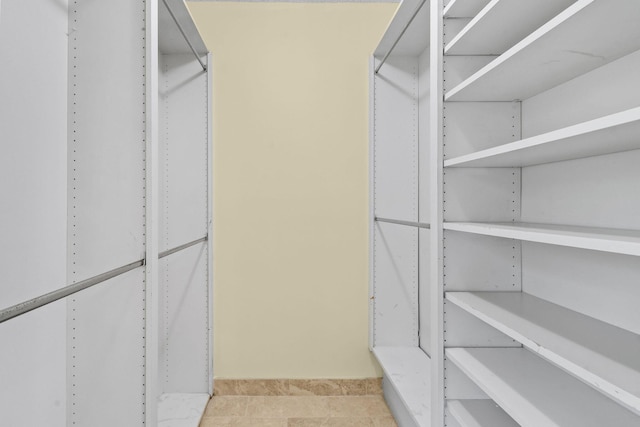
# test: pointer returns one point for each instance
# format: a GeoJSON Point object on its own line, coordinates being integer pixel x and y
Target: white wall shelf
{"type": "Point", "coordinates": [408, 370]}
{"type": "Point", "coordinates": [502, 24]}
{"type": "Point", "coordinates": [620, 130]}
{"type": "Point", "coordinates": [181, 409]}
{"type": "Point", "coordinates": [479, 413]}
{"type": "Point", "coordinates": [464, 8]}
{"type": "Point", "coordinates": [565, 47]}
{"type": "Point", "coordinates": [535, 393]}
{"type": "Point", "coordinates": [599, 239]}
{"type": "Point", "coordinates": [416, 37]}
{"type": "Point", "coordinates": [604, 356]}
{"type": "Point", "coordinates": [170, 38]}
{"type": "Point", "coordinates": [399, 172]}
{"type": "Point", "coordinates": [185, 357]}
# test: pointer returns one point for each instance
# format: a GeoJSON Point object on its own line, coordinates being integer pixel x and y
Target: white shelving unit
{"type": "Point", "coordinates": [107, 143]}
{"type": "Point", "coordinates": [540, 214]}
{"type": "Point", "coordinates": [184, 215]}
{"type": "Point", "coordinates": [399, 290]}
{"type": "Point", "coordinates": [531, 146]}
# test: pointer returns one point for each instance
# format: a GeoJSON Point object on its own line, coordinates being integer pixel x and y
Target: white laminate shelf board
{"type": "Point", "coordinates": [604, 356]}
{"type": "Point", "coordinates": [535, 393]}
{"type": "Point", "coordinates": [408, 369]}
{"type": "Point", "coordinates": [626, 242]}
{"type": "Point", "coordinates": [464, 8]}
{"type": "Point", "coordinates": [605, 135]}
{"type": "Point", "coordinates": [565, 47]}
{"type": "Point", "coordinates": [181, 409]}
{"type": "Point", "coordinates": [170, 39]}
{"type": "Point", "coordinates": [502, 24]}
{"type": "Point", "coordinates": [416, 38]}
{"type": "Point", "coordinates": [479, 413]}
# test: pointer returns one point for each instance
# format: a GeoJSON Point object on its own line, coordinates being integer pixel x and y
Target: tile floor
{"type": "Point", "coordinates": [298, 411]}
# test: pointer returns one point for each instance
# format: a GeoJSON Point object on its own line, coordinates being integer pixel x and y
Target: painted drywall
{"type": "Point", "coordinates": [291, 186]}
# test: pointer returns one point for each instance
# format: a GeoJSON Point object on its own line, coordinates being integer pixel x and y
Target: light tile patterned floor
{"type": "Point", "coordinates": [298, 411]}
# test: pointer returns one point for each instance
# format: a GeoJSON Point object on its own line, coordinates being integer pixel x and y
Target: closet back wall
{"type": "Point", "coordinates": [291, 192]}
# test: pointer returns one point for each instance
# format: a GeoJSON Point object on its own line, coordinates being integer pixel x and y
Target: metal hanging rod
{"type": "Point", "coordinates": [404, 30]}
{"type": "Point", "coordinates": [37, 302]}
{"type": "Point", "coordinates": [42, 300]}
{"type": "Point", "coordinates": [407, 223]}
{"type": "Point", "coordinates": [193, 49]}
{"type": "Point", "coordinates": [181, 247]}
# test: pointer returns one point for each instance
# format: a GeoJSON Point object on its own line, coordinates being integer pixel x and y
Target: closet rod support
{"type": "Point", "coordinates": [193, 49]}
{"type": "Point", "coordinates": [404, 30]}
{"type": "Point", "coordinates": [181, 247]}
{"type": "Point", "coordinates": [37, 302]}
{"type": "Point", "coordinates": [401, 222]}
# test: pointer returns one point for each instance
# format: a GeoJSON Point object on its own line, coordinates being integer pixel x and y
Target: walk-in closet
{"type": "Point", "coordinates": [465, 170]}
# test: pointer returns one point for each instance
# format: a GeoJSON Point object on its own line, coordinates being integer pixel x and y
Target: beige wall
{"type": "Point", "coordinates": [291, 192]}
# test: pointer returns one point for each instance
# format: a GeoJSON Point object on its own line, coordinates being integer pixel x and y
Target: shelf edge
{"type": "Point", "coordinates": [520, 47]}
{"type": "Point", "coordinates": [623, 397]}
{"type": "Point", "coordinates": [572, 238]}
{"type": "Point", "coordinates": [610, 121]}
